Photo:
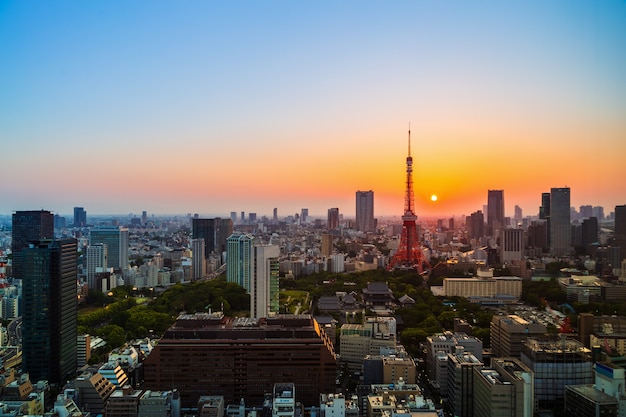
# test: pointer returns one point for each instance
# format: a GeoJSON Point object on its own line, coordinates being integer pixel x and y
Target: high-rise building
{"type": "Point", "coordinates": [620, 231]}
{"type": "Point", "coordinates": [144, 217]}
{"type": "Point", "coordinates": [333, 218]}
{"type": "Point", "coordinates": [508, 333]}
{"type": "Point", "coordinates": [275, 214]}
{"type": "Point", "coordinates": [544, 214]}
{"type": "Point", "coordinates": [505, 390]}
{"type": "Point", "coordinates": [327, 244]}
{"type": "Point", "coordinates": [304, 215]}
{"type": "Point", "coordinates": [242, 358]}
{"type": "Point", "coordinates": [511, 245]}
{"type": "Point", "coordinates": [476, 225]}
{"type": "Point", "coordinates": [198, 259]}
{"type": "Point", "coordinates": [97, 262]}
{"type": "Point", "coordinates": [116, 239]}
{"type": "Point", "coordinates": [518, 214]}
{"type": "Point", "coordinates": [49, 314]}
{"type": "Point", "coordinates": [214, 232]}
{"type": "Point", "coordinates": [365, 211]}
{"type": "Point", "coordinates": [264, 281]}
{"type": "Point", "coordinates": [560, 224]}
{"type": "Point", "coordinates": [495, 211]}
{"type": "Point", "coordinates": [29, 226]}
{"type": "Point", "coordinates": [80, 217]}
{"type": "Point", "coordinates": [238, 258]}
{"type": "Point", "coordinates": [556, 362]}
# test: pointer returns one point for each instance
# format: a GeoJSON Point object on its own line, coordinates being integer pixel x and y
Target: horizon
{"type": "Point", "coordinates": [207, 107]}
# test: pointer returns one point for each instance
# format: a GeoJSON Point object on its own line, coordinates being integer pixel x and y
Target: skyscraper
{"type": "Point", "coordinates": [475, 225]}
{"type": "Point", "coordinates": [198, 258]}
{"type": "Point", "coordinates": [264, 281]}
{"type": "Point", "coordinates": [365, 211]}
{"type": "Point", "coordinates": [29, 226]}
{"type": "Point", "coordinates": [116, 239]}
{"type": "Point", "coordinates": [560, 225]}
{"type": "Point", "coordinates": [333, 218]}
{"type": "Point", "coordinates": [495, 211]}
{"type": "Point", "coordinates": [80, 217]}
{"type": "Point", "coordinates": [214, 232]}
{"type": "Point", "coordinates": [49, 317]}
{"type": "Point", "coordinates": [620, 229]}
{"type": "Point", "coordinates": [238, 258]}
{"type": "Point", "coordinates": [97, 261]}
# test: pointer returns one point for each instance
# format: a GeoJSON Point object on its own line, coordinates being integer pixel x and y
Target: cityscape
{"type": "Point", "coordinates": [323, 209]}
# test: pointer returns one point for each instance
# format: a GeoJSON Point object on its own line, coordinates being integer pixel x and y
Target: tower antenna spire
{"type": "Point", "coordinates": [409, 253]}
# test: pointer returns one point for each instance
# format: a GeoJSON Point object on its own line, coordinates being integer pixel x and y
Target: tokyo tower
{"type": "Point", "coordinates": [409, 253]}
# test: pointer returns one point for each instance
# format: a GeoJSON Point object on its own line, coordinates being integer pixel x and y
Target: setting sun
{"type": "Point", "coordinates": [433, 197]}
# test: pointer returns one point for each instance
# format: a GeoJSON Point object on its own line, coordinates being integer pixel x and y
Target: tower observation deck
{"type": "Point", "coordinates": [409, 253]}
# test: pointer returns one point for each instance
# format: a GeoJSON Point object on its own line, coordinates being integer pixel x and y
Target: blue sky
{"type": "Point", "coordinates": [212, 107]}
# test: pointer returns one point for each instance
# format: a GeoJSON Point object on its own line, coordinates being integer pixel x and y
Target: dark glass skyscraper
{"type": "Point", "coordinates": [29, 226]}
{"type": "Point", "coordinates": [80, 217]}
{"type": "Point", "coordinates": [560, 223]}
{"type": "Point", "coordinates": [214, 232]}
{"type": "Point", "coordinates": [495, 211]}
{"type": "Point", "coordinates": [49, 314]}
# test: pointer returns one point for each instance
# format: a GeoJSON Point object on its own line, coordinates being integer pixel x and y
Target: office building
{"type": "Point", "coordinates": [509, 332]}
{"type": "Point", "coordinates": [275, 214]}
{"type": "Point", "coordinates": [80, 217]}
{"type": "Point", "coordinates": [29, 226]}
{"type": "Point", "coordinates": [97, 263]}
{"type": "Point", "coordinates": [556, 362]}
{"type": "Point", "coordinates": [602, 399]}
{"type": "Point", "coordinates": [360, 340]}
{"type": "Point", "coordinates": [284, 401]}
{"type": "Point", "coordinates": [116, 239]}
{"type": "Point", "coordinates": [214, 232]}
{"type": "Point", "coordinates": [504, 289]}
{"type": "Point", "coordinates": [304, 215]}
{"type": "Point", "coordinates": [264, 281]}
{"type": "Point", "coordinates": [620, 231]}
{"type": "Point", "coordinates": [460, 389]}
{"type": "Point", "coordinates": [333, 219]}
{"type": "Point", "coordinates": [327, 244]}
{"type": "Point", "coordinates": [544, 214]}
{"type": "Point", "coordinates": [49, 316]}
{"type": "Point", "coordinates": [495, 212]}
{"type": "Point", "coordinates": [475, 225]}
{"type": "Point", "coordinates": [242, 358]}
{"type": "Point", "coordinates": [198, 268]}
{"type": "Point", "coordinates": [365, 211]}
{"type": "Point", "coordinates": [504, 390]}
{"type": "Point", "coordinates": [512, 245]}
{"type": "Point", "coordinates": [560, 224]}
{"type": "Point", "coordinates": [238, 259]}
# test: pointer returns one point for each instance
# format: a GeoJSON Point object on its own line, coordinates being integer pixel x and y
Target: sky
{"type": "Point", "coordinates": [211, 106]}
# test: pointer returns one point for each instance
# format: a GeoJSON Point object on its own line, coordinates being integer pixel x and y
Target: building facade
{"type": "Point", "coordinates": [215, 233]}
{"type": "Point", "coordinates": [242, 358]}
{"type": "Point", "coordinates": [365, 211]}
{"type": "Point", "coordinates": [116, 239]}
{"type": "Point", "coordinates": [28, 226]}
{"type": "Point", "coordinates": [238, 259]}
{"type": "Point", "coordinates": [264, 281]}
{"type": "Point", "coordinates": [560, 223]}
{"type": "Point", "coordinates": [50, 308]}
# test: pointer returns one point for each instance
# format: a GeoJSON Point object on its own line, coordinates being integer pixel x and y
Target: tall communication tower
{"type": "Point", "coordinates": [409, 253]}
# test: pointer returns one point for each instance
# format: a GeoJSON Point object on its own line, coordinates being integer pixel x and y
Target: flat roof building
{"type": "Point", "coordinates": [210, 354]}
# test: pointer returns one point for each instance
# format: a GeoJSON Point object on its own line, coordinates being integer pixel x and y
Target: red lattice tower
{"type": "Point", "coordinates": [409, 253]}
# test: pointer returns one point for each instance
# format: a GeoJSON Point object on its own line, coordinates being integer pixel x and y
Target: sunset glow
{"type": "Point", "coordinates": [196, 107]}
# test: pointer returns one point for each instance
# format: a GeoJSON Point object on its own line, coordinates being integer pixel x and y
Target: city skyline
{"type": "Point", "coordinates": [214, 107]}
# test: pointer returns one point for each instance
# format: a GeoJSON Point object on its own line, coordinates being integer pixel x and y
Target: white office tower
{"type": "Point", "coordinates": [284, 404]}
{"type": "Point", "coordinates": [264, 281]}
{"type": "Point", "coordinates": [337, 263]}
{"type": "Point", "coordinates": [198, 260]}
{"type": "Point", "coordinates": [97, 259]}
{"type": "Point", "coordinates": [116, 239]}
{"type": "Point", "coordinates": [512, 245]}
